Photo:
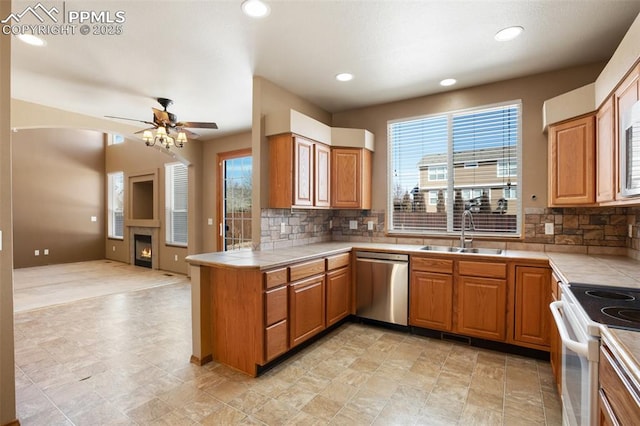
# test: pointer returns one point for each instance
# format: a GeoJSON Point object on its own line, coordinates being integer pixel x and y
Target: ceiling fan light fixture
{"type": "Point", "coordinates": [181, 139]}
{"type": "Point", "coordinates": [147, 137]}
{"type": "Point", "coordinates": [255, 8]}
{"type": "Point", "coordinates": [509, 33]}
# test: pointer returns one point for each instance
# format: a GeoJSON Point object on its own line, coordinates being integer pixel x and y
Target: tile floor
{"type": "Point", "coordinates": [124, 359]}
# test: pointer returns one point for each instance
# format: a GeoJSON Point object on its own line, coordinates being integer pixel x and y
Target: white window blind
{"type": "Point", "coordinates": [461, 160]}
{"type": "Point", "coordinates": [115, 214]}
{"type": "Point", "coordinates": [176, 198]}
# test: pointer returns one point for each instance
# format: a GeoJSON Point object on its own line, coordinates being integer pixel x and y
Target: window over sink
{"type": "Point", "coordinates": [455, 161]}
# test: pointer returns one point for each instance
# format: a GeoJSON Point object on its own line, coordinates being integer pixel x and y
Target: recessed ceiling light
{"type": "Point", "coordinates": [448, 82]}
{"type": "Point", "coordinates": [31, 39]}
{"type": "Point", "coordinates": [509, 33]}
{"type": "Point", "coordinates": [344, 76]}
{"type": "Point", "coordinates": [255, 8]}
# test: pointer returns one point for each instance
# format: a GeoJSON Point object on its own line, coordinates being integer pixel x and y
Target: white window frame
{"type": "Point", "coordinates": [115, 191]}
{"type": "Point", "coordinates": [400, 181]}
{"type": "Point", "coordinates": [172, 198]}
{"type": "Point", "coordinates": [506, 192]}
{"type": "Point", "coordinates": [502, 166]}
{"type": "Point", "coordinates": [437, 173]}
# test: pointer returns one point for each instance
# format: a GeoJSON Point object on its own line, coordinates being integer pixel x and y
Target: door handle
{"type": "Point", "coordinates": [577, 347]}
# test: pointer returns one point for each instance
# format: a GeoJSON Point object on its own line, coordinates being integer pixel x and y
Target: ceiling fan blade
{"type": "Point", "coordinates": [144, 130]}
{"type": "Point", "coordinates": [131, 119]}
{"type": "Point", "coordinates": [197, 125]}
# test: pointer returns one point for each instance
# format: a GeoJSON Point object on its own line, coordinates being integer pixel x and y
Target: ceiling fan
{"type": "Point", "coordinates": [164, 123]}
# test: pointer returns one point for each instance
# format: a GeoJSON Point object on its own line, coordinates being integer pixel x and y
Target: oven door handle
{"type": "Point", "coordinates": [577, 347]}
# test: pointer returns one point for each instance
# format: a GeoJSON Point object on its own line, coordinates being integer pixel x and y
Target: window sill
{"type": "Point", "coordinates": [176, 245]}
{"type": "Point", "coordinates": [115, 238]}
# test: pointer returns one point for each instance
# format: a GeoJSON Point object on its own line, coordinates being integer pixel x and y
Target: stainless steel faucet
{"type": "Point", "coordinates": [463, 225]}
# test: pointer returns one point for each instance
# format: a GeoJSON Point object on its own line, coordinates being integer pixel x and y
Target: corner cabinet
{"type": "Point", "coordinates": [572, 162]}
{"type": "Point", "coordinates": [350, 178]}
{"type": "Point", "coordinates": [299, 172]}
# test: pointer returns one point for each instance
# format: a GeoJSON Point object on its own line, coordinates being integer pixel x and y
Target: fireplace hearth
{"type": "Point", "coordinates": [142, 250]}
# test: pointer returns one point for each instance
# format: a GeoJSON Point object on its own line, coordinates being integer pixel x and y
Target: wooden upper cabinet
{"type": "Point", "coordinates": [303, 172]}
{"type": "Point", "coordinates": [572, 162]}
{"type": "Point", "coordinates": [351, 178]}
{"type": "Point", "coordinates": [322, 175]}
{"type": "Point", "coordinates": [606, 162]}
{"type": "Point", "coordinates": [299, 172]}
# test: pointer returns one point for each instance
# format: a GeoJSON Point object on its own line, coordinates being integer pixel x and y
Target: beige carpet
{"type": "Point", "coordinates": [44, 286]}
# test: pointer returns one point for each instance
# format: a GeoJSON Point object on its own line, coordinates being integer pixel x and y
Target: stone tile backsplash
{"type": "Point", "coordinates": [581, 230]}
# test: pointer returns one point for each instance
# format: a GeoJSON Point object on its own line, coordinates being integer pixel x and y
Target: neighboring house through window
{"type": "Point", "coordinates": [176, 191]}
{"type": "Point", "coordinates": [115, 190]}
{"type": "Point", "coordinates": [471, 157]}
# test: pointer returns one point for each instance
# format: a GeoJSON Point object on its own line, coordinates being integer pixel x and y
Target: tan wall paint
{"type": "Point", "coordinates": [58, 185]}
{"type": "Point", "coordinates": [7, 367]}
{"type": "Point", "coordinates": [211, 149]}
{"type": "Point", "coordinates": [532, 90]}
{"type": "Point", "coordinates": [268, 98]}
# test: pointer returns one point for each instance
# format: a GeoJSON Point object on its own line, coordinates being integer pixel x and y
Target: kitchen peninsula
{"type": "Point", "coordinates": [250, 307]}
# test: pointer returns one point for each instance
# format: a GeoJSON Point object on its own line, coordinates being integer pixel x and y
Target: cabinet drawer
{"type": "Point", "coordinates": [427, 264]}
{"type": "Point", "coordinates": [338, 261]}
{"type": "Point", "coordinates": [275, 278]}
{"type": "Point", "coordinates": [619, 391]}
{"type": "Point", "coordinates": [307, 269]}
{"type": "Point", "coordinates": [482, 269]}
{"type": "Point", "coordinates": [275, 340]}
{"type": "Point", "coordinates": [275, 305]}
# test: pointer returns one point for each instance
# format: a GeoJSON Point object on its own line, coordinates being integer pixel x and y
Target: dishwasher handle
{"type": "Point", "coordinates": [382, 256]}
{"type": "Point", "coordinates": [390, 262]}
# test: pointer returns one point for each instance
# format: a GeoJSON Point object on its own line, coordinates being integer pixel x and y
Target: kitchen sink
{"type": "Point", "coordinates": [441, 248]}
{"type": "Point", "coordinates": [481, 251]}
{"type": "Point", "coordinates": [474, 250]}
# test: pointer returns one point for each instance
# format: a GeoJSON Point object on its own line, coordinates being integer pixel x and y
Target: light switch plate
{"type": "Point", "coordinates": [94, 218]}
{"type": "Point", "coordinates": [353, 224]}
{"type": "Point", "coordinates": [210, 221]}
{"type": "Point", "coordinates": [282, 228]}
{"type": "Point", "coordinates": [630, 231]}
{"type": "Point", "coordinates": [36, 252]}
{"type": "Point", "coordinates": [548, 228]}
{"type": "Point", "coordinates": [46, 252]}
{"type": "Point", "coordinates": [370, 225]}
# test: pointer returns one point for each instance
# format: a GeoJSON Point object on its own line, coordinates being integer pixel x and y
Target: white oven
{"type": "Point", "coordinates": [580, 353]}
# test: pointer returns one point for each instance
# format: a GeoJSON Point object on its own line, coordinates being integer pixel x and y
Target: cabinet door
{"type": "Point", "coordinates": [306, 309]}
{"type": "Point", "coordinates": [431, 300]}
{"type": "Point", "coordinates": [350, 178]}
{"type": "Point", "coordinates": [606, 165]}
{"type": "Point", "coordinates": [532, 314]}
{"type": "Point", "coordinates": [572, 162]}
{"type": "Point", "coordinates": [482, 305]}
{"type": "Point", "coordinates": [303, 172]}
{"type": "Point", "coordinates": [338, 295]}
{"type": "Point", "coordinates": [322, 173]}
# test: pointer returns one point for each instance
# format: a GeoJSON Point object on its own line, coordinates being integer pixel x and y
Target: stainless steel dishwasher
{"type": "Point", "coordinates": [382, 286]}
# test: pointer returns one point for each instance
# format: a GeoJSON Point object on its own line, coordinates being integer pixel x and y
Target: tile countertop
{"type": "Point", "coordinates": [616, 271]}
{"type": "Point", "coordinates": [267, 259]}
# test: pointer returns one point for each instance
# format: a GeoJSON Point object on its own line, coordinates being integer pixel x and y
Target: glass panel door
{"type": "Point", "coordinates": [236, 191]}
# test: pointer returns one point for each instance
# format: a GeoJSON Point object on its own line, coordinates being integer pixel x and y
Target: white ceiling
{"type": "Point", "coordinates": [203, 54]}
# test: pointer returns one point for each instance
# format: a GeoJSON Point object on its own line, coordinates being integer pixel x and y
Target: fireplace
{"type": "Point", "coordinates": [142, 250]}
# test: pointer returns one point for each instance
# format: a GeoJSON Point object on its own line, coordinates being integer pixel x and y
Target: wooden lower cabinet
{"type": "Point", "coordinates": [431, 301]}
{"type": "Point", "coordinates": [276, 342]}
{"type": "Point", "coordinates": [481, 307]}
{"type": "Point", "coordinates": [306, 309]}
{"type": "Point", "coordinates": [338, 295]}
{"type": "Point", "coordinates": [618, 396]}
{"type": "Point", "coordinates": [532, 314]}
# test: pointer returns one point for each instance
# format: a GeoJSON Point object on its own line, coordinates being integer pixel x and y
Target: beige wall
{"type": "Point", "coordinates": [58, 185]}
{"type": "Point", "coordinates": [211, 149]}
{"type": "Point", "coordinates": [532, 90]}
{"type": "Point", "coordinates": [7, 368]}
{"type": "Point", "coordinates": [268, 98]}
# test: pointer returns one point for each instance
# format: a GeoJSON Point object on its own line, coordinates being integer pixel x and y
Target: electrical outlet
{"type": "Point", "coordinates": [46, 252]}
{"type": "Point", "coordinates": [630, 231]}
{"type": "Point", "coordinates": [330, 224]}
{"type": "Point", "coordinates": [548, 228]}
{"type": "Point", "coordinates": [370, 225]}
{"type": "Point", "coordinates": [353, 224]}
{"type": "Point", "coordinates": [113, 248]}
{"type": "Point", "coordinates": [175, 257]}
{"type": "Point", "coordinates": [282, 228]}
{"type": "Point", "coordinates": [36, 252]}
